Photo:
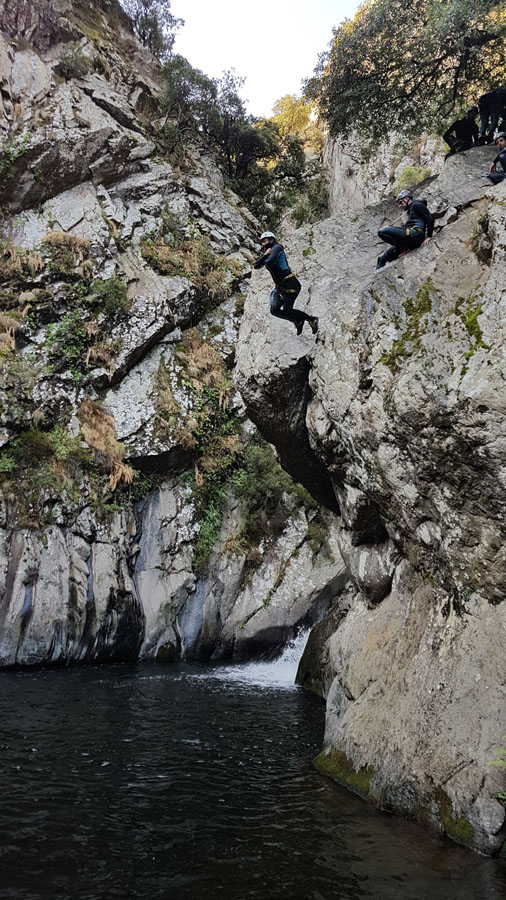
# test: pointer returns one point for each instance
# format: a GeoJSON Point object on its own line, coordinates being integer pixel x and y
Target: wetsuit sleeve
{"type": "Point", "coordinates": [423, 212]}
{"type": "Point", "coordinates": [449, 133]}
{"type": "Point", "coordinates": [268, 257]}
{"type": "Point", "coordinates": [273, 255]}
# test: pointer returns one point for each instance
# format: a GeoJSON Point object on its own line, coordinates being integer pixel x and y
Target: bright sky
{"type": "Point", "coordinates": [273, 45]}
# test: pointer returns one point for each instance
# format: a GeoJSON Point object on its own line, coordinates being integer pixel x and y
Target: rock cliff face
{"type": "Point", "coordinates": [122, 286]}
{"type": "Point", "coordinates": [361, 174]}
{"type": "Point", "coordinates": [400, 403]}
{"type": "Point", "coordinates": [142, 515]}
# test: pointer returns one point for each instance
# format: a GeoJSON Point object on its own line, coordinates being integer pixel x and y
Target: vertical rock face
{"type": "Point", "coordinates": [122, 286]}
{"type": "Point", "coordinates": [405, 412]}
{"type": "Point", "coordinates": [361, 174]}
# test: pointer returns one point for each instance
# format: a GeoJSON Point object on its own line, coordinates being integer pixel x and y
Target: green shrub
{"type": "Point", "coordinates": [48, 464]}
{"type": "Point", "coordinates": [9, 153]}
{"type": "Point", "coordinates": [314, 202]}
{"type": "Point", "coordinates": [68, 255]}
{"type": "Point", "coordinates": [317, 535]}
{"type": "Point", "coordinates": [411, 176]}
{"type": "Point", "coordinates": [259, 485]}
{"type": "Point", "coordinates": [110, 295]}
{"type": "Point", "coordinates": [73, 63]}
{"type": "Point", "coordinates": [67, 342]}
{"type": "Point", "coordinates": [210, 524]}
{"type": "Point", "coordinates": [174, 227]}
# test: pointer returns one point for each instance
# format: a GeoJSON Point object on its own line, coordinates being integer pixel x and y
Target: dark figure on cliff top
{"type": "Point", "coordinates": [500, 160]}
{"type": "Point", "coordinates": [492, 106]}
{"type": "Point", "coordinates": [416, 232]}
{"type": "Point", "coordinates": [463, 134]}
{"type": "Point", "coordinates": [287, 289]}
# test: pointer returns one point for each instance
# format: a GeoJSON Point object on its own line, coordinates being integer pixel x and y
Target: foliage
{"type": "Point", "coordinates": [154, 24]}
{"type": "Point", "coordinates": [127, 494]}
{"type": "Point", "coordinates": [111, 296]}
{"type": "Point", "coordinates": [190, 98]}
{"type": "Point", "coordinates": [99, 432]}
{"type": "Point", "coordinates": [407, 66]}
{"type": "Point", "coordinates": [67, 342]}
{"type": "Point", "coordinates": [263, 160]}
{"type": "Point", "coordinates": [192, 258]}
{"type": "Point", "coordinates": [294, 115]}
{"type": "Point", "coordinates": [77, 340]}
{"type": "Point", "coordinates": [19, 375]}
{"type": "Point", "coordinates": [68, 255]}
{"type": "Point", "coordinates": [211, 432]}
{"type": "Point", "coordinates": [18, 263]}
{"type": "Point", "coordinates": [48, 465]}
{"type": "Point", "coordinates": [259, 485]}
{"type": "Point", "coordinates": [60, 474]}
{"type": "Point", "coordinates": [312, 204]}
{"type": "Point", "coordinates": [411, 176]}
{"type": "Point", "coordinates": [9, 153]}
{"type": "Point", "coordinates": [73, 63]}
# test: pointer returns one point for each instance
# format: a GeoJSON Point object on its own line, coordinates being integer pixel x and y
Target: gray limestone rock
{"type": "Point", "coordinates": [405, 412]}
{"type": "Point", "coordinates": [360, 175]}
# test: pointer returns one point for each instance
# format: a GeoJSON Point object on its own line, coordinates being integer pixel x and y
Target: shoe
{"type": "Point", "coordinates": [313, 324]}
{"type": "Point", "coordinates": [299, 326]}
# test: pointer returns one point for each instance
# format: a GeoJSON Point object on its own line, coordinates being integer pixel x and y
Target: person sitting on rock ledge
{"type": "Point", "coordinates": [415, 233]}
{"type": "Point", "coordinates": [495, 176]}
{"type": "Point", "coordinates": [288, 286]}
{"type": "Point", "coordinates": [463, 134]}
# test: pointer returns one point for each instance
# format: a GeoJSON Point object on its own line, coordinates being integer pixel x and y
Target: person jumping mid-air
{"type": "Point", "coordinates": [416, 232]}
{"type": "Point", "coordinates": [287, 289]}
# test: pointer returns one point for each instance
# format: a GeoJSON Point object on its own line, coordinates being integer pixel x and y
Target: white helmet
{"type": "Point", "coordinates": [267, 234]}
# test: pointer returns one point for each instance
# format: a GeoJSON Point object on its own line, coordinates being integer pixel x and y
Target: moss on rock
{"type": "Point", "coordinates": [457, 827]}
{"type": "Point", "coordinates": [337, 765]}
{"type": "Point", "coordinates": [410, 342]}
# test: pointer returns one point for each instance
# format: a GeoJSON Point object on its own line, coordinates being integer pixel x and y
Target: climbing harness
{"type": "Point", "coordinates": [291, 275]}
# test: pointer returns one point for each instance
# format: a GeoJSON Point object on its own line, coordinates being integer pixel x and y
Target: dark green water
{"type": "Point", "coordinates": [142, 782]}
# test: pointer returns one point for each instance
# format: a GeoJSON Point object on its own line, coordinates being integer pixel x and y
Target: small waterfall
{"type": "Point", "coordinates": [275, 673]}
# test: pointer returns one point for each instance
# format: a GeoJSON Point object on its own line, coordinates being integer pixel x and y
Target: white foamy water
{"type": "Point", "coordinates": [277, 673]}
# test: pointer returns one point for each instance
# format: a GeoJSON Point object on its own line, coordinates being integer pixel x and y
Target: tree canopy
{"type": "Point", "coordinates": [297, 116]}
{"type": "Point", "coordinates": [154, 24]}
{"type": "Point", "coordinates": [263, 160]}
{"type": "Point", "coordinates": [409, 66]}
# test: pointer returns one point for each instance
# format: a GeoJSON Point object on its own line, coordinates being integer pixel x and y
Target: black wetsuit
{"type": "Point", "coordinates": [461, 135]}
{"type": "Point", "coordinates": [419, 225]}
{"type": "Point", "coordinates": [500, 160]}
{"type": "Point", "coordinates": [288, 286]}
{"type": "Point", "coordinates": [491, 105]}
